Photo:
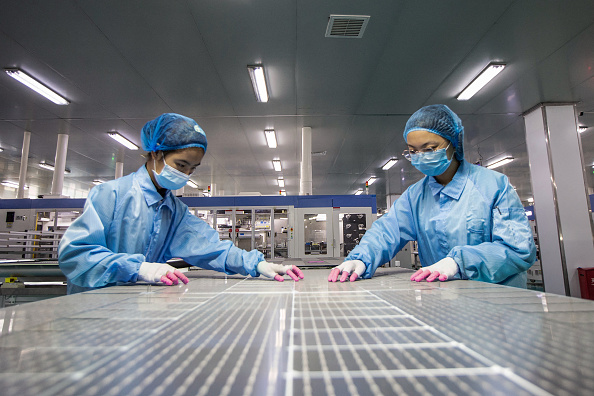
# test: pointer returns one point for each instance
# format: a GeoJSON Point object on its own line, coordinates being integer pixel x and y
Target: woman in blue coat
{"type": "Point", "coordinates": [467, 220]}
{"type": "Point", "coordinates": [131, 226]}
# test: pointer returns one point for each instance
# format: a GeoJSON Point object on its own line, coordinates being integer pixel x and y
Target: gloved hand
{"type": "Point", "coordinates": [356, 267]}
{"type": "Point", "coordinates": [157, 272]}
{"type": "Point", "coordinates": [444, 269]}
{"type": "Point", "coordinates": [276, 271]}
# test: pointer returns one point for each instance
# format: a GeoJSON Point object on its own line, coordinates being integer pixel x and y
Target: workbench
{"type": "Point", "coordinates": [226, 335]}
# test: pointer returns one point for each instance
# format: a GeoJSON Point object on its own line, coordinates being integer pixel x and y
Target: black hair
{"type": "Point", "coordinates": [165, 153]}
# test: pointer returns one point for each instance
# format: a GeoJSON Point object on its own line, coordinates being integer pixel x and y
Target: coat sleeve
{"type": "Point", "coordinates": [83, 254]}
{"type": "Point", "coordinates": [512, 249]}
{"type": "Point", "coordinates": [386, 236]}
{"type": "Point", "coordinates": [198, 244]}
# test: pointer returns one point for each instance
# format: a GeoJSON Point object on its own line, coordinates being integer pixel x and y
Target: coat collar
{"type": "Point", "coordinates": [455, 187]}
{"type": "Point", "coordinates": [151, 195]}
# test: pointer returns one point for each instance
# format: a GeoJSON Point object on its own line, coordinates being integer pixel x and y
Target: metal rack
{"type": "Point", "coordinates": [30, 244]}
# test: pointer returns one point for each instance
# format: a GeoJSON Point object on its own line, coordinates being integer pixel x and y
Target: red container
{"type": "Point", "coordinates": [587, 282]}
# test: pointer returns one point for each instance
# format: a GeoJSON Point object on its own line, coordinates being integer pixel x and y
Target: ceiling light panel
{"type": "Point", "coordinates": [500, 162]}
{"type": "Point", "coordinates": [190, 183]}
{"type": "Point", "coordinates": [48, 166]}
{"type": "Point", "coordinates": [11, 184]}
{"type": "Point", "coordinates": [481, 80]}
{"type": "Point", "coordinates": [391, 162]}
{"type": "Point", "coordinates": [277, 165]}
{"type": "Point", "coordinates": [270, 138]}
{"type": "Point", "coordinates": [122, 140]}
{"type": "Point", "coordinates": [36, 86]}
{"type": "Point", "coordinates": [258, 82]}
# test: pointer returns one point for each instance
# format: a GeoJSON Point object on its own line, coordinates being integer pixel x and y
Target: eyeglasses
{"type": "Point", "coordinates": [409, 153]}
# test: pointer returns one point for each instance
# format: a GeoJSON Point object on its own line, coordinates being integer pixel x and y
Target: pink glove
{"type": "Point", "coordinates": [356, 267]}
{"type": "Point", "coordinates": [157, 272]}
{"type": "Point", "coordinates": [276, 271]}
{"type": "Point", "coordinates": [443, 269]}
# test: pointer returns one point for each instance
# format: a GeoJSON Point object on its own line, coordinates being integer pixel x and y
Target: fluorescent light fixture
{"type": "Point", "coordinates": [582, 128]}
{"type": "Point", "coordinates": [391, 162]}
{"type": "Point", "coordinates": [191, 184]}
{"type": "Point", "coordinates": [122, 140]}
{"type": "Point", "coordinates": [281, 182]}
{"type": "Point", "coordinates": [371, 180]}
{"type": "Point", "coordinates": [530, 199]}
{"type": "Point", "coordinates": [44, 165]}
{"type": "Point", "coordinates": [481, 80]}
{"type": "Point", "coordinates": [277, 165]}
{"type": "Point", "coordinates": [359, 192]}
{"type": "Point", "coordinates": [500, 162]}
{"type": "Point", "coordinates": [98, 181]}
{"type": "Point", "coordinates": [1, 149]}
{"type": "Point", "coordinates": [48, 166]}
{"type": "Point", "coordinates": [36, 86]}
{"type": "Point", "coordinates": [270, 138]}
{"type": "Point", "coordinates": [12, 184]}
{"type": "Point", "coordinates": [258, 82]}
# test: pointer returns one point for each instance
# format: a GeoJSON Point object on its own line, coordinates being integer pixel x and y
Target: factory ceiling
{"type": "Point", "coordinates": [122, 63]}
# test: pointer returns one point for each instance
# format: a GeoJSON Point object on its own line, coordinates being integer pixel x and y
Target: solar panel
{"type": "Point", "coordinates": [233, 335]}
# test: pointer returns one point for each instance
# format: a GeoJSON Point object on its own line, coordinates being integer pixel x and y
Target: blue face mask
{"type": "Point", "coordinates": [433, 163]}
{"type": "Point", "coordinates": [170, 178]}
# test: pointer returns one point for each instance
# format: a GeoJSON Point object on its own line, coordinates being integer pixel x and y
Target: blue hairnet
{"type": "Point", "coordinates": [172, 131]}
{"type": "Point", "coordinates": [442, 121]}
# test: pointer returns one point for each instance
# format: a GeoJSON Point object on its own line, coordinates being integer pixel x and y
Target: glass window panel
{"type": "Point", "coordinates": [316, 233]}
{"type": "Point", "coordinates": [281, 232]}
{"type": "Point", "coordinates": [262, 227]}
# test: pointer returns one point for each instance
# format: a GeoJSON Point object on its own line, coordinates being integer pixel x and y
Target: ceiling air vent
{"type": "Point", "coordinates": [346, 26]}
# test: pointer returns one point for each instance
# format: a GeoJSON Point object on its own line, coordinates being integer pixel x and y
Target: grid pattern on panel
{"type": "Point", "coordinates": [523, 334]}
{"type": "Point", "coordinates": [385, 335]}
{"type": "Point", "coordinates": [88, 332]}
{"type": "Point", "coordinates": [231, 344]}
{"type": "Point", "coordinates": [356, 343]}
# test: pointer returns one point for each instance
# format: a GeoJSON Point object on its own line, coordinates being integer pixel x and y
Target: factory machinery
{"type": "Point", "coordinates": [278, 226]}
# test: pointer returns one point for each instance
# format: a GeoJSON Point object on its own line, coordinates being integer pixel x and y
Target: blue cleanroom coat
{"type": "Point", "coordinates": [126, 222]}
{"type": "Point", "coordinates": [477, 219]}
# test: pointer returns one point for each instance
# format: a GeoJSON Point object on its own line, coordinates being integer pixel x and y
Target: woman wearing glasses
{"type": "Point", "coordinates": [468, 221]}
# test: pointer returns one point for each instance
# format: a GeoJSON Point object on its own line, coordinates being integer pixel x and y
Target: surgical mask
{"type": "Point", "coordinates": [170, 178]}
{"type": "Point", "coordinates": [433, 163]}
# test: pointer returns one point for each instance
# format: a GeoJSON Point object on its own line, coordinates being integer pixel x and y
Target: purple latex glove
{"type": "Point", "coordinates": [443, 270]}
{"type": "Point", "coordinates": [355, 268]}
{"type": "Point", "coordinates": [160, 273]}
{"type": "Point", "coordinates": [276, 271]}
